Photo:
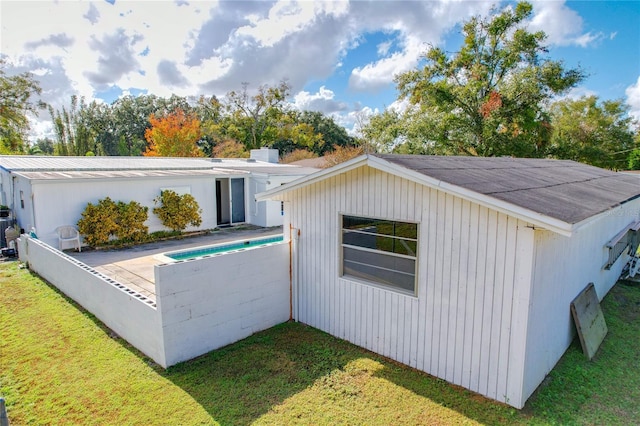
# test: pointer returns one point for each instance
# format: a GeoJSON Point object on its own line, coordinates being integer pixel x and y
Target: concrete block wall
{"type": "Point", "coordinates": [211, 302]}
{"type": "Point", "coordinates": [201, 305]}
{"type": "Point", "coordinates": [129, 314]}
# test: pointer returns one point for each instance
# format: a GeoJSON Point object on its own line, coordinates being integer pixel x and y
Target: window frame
{"type": "Point", "coordinates": [625, 241]}
{"type": "Point", "coordinates": [380, 284]}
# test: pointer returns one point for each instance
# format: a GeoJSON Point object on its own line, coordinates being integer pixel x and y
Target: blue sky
{"type": "Point", "coordinates": [340, 57]}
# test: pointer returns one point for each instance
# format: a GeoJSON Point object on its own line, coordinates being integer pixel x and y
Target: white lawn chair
{"type": "Point", "coordinates": [68, 233]}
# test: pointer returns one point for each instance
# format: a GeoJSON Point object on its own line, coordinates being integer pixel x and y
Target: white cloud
{"type": "Point", "coordinates": [322, 101]}
{"type": "Point", "coordinates": [381, 73]}
{"type": "Point", "coordinates": [576, 93]}
{"type": "Point", "coordinates": [284, 18]}
{"type": "Point", "coordinates": [415, 26]}
{"type": "Point", "coordinates": [633, 99]}
{"type": "Point", "coordinates": [383, 48]}
{"type": "Point", "coordinates": [563, 25]}
{"type": "Point", "coordinates": [209, 47]}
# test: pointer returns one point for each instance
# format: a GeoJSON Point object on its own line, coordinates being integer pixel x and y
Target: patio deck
{"type": "Point", "coordinates": [134, 266]}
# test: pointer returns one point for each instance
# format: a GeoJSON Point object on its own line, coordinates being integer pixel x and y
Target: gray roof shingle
{"type": "Point", "coordinates": [561, 189]}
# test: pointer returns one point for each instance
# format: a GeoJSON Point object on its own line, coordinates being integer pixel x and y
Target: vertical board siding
{"type": "Point", "coordinates": [563, 268]}
{"type": "Point", "coordinates": [459, 325]}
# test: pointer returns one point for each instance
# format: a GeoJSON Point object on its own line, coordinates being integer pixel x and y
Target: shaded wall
{"type": "Point", "coordinates": [202, 304]}
{"type": "Point", "coordinates": [211, 302]}
{"type": "Point", "coordinates": [127, 313]}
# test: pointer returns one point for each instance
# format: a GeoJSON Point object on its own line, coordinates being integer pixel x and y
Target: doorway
{"type": "Point", "coordinates": [230, 203]}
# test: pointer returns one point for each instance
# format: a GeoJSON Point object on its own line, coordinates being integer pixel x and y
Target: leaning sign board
{"type": "Point", "coordinates": [589, 320]}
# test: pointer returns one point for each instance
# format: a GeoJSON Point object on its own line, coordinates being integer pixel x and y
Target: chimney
{"type": "Point", "coordinates": [265, 154]}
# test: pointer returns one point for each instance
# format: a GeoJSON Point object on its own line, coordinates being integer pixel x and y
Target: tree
{"type": "Point", "coordinates": [175, 135]}
{"type": "Point", "coordinates": [42, 146]}
{"type": "Point", "coordinates": [292, 134]}
{"type": "Point", "coordinates": [592, 132]}
{"type": "Point", "coordinates": [130, 120]}
{"type": "Point", "coordinates": [634, 160]}
{"type": "Point", "coordinates": [254, 119]}
{"type": "Point", "coordinates": [340, 154]}
{"type": "Point", "coordinates": [16, 93]}
{"type": "Point", "coordinates": [229, 149]}
{"type": "Point", "coordinates": [489, 98]}
{"type": "Point", "coordinates": [297, 155]}
{"type": "Point", "coordinates": [332, 134]}
{"type": "Point", "coordinates": [78, 128]}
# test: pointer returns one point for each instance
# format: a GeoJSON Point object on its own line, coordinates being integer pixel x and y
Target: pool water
{"type": "Point", "coordinates": [222, 248]}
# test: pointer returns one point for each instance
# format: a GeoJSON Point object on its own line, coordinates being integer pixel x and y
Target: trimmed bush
{"type": "Point", "coordinates": [177, 211]}
{"type": "Point", "coordinates": [98, 222]}
{"type": "Point", "coordinates": [131, 219]}
{"type": "Point", "coordinates": [106, 219]}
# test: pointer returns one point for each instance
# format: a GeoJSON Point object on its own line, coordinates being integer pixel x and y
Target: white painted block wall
{"type": "Point", "coordinates": [209, 303]}
{"type": "Point", "coordinates": [57, 203]}
{"type": "Point", "coordinates": [202, 305]}
{"type": "Point", "coordinates": [130, 317]}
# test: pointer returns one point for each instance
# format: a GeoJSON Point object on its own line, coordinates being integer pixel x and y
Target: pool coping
{"type": "Point", "coordinates": [165, 257]}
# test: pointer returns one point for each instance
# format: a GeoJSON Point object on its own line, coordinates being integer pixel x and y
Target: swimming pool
{"type": "Point", "coordinates": [223, 248]}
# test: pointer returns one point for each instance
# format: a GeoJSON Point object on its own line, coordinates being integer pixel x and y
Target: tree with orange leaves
{"type": "Point", "coordinates": [174, 135]}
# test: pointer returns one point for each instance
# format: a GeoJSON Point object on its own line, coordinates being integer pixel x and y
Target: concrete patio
{"type": "Point", "coordinates": [133, 266]}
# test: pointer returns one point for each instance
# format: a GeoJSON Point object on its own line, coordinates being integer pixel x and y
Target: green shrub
{"type": "Point", "coordinates": [98, 222]}
{"type": "Point", "coordinates": [177, 211]}
{"type": "Point", "coordinates": [634, 159]}
{"type": "Point", "coordinates": [131, 219]}
{"type": "Point", "coordinates": [125, 221]}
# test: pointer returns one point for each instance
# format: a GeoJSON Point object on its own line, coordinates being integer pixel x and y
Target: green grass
{"type": "Point", "coordinates": [59, 365]}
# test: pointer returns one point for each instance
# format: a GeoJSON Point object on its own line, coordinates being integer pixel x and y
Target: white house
{"type": "Point", "coordinates": [47, 192]}
{"type": "Point", "coordinates": [462, 267]}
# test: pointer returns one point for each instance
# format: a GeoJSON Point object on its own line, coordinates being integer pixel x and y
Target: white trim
{"type": "Point", "coordinates": [633, 226]}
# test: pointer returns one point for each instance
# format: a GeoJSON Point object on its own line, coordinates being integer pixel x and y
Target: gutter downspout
{"type": "Point", "coordinates": [294, 271]}
{"type": "Point", "coordinates": [290, 272]}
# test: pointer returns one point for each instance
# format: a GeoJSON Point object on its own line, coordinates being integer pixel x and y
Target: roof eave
{"type": "Point", "coordinates": [312, 178]}
{"type": "Point", "coordinates": [534, 218]}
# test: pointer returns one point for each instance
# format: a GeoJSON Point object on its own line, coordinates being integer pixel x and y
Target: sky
{"type": "Point", "coordinates": [339, 57]}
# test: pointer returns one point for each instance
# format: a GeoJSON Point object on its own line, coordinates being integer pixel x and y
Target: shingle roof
{"type": "Point", "coordinates": [561, 189]}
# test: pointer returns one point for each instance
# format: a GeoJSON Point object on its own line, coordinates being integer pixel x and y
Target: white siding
{"type": "Point", "coordinates": [62, 203]}
{"type": "Point", "coordinates": [462, 326]}
{"type": "Point", "coordinates": [563, 268]}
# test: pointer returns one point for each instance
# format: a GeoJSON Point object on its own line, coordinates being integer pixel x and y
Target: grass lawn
{"type": "Point", "coordinates": [59, 365]}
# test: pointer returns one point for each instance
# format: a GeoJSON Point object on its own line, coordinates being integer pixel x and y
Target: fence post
{"type": "Point", "coordinates": [4, 420]}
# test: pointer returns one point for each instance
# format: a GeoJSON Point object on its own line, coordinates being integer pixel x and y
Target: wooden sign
{"type": "Point", "coordinates": [589, 320]}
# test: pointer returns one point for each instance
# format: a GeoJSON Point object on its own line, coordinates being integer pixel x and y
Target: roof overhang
{"type": "Point", "coordinates": [527, 215]}
{"type": "Point", "coordinates": [108, 175]}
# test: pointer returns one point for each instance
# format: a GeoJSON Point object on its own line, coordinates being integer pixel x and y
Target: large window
{"type": "Point", "coordinates": [380, 251]}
